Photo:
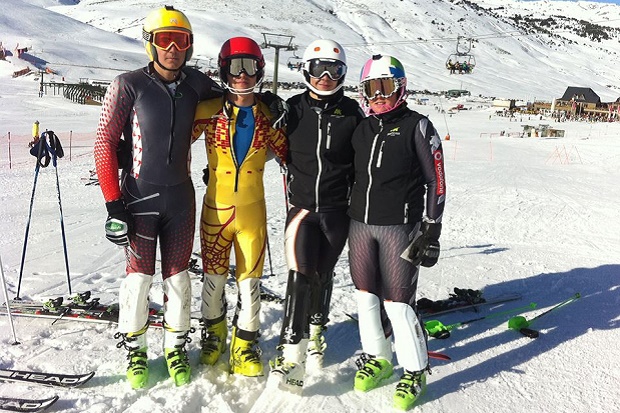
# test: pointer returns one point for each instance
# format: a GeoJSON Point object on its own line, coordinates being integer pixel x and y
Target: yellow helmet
{"type": "Point", "coordinates": [165, 18]}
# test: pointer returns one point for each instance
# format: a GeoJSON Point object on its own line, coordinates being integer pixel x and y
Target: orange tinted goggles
{"type": "Point", "coordinates": [165, 39]}
{"type": "Point", "coordinates": [384, 87]}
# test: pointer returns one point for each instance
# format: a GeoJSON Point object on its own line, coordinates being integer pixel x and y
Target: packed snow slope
{"type": "Point", "coordinates": [534, 216]}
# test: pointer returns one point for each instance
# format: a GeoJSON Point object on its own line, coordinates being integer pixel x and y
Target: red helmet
{"type": "Point", "coordinates": [240, 47]}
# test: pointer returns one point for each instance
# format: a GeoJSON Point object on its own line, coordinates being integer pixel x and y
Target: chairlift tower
{"type": "Point", "coordinates": [277, 41]}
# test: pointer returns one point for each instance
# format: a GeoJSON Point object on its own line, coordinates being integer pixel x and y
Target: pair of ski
{"type": "Point", "coordinates": [16, 404]}
{"type": "Point", "coordinates": [80, 307]}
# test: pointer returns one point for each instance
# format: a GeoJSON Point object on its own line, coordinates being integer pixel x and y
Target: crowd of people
{"type": "Point", "coordinates": [370, 173]}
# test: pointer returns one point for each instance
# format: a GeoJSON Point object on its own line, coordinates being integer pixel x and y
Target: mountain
{"type": "Point", "coordinates": [525, 50]}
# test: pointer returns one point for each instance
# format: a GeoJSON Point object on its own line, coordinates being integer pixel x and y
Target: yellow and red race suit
{"type": "Point", "coordinates": [233, 209]}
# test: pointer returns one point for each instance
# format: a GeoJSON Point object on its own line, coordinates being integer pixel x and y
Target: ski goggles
{"type": "Point", "coordinates": [166, 38]}
{"type": "Point", "coordinates": [334, 69]}
{"type": "Point", "coordinates": [247, 65]}
{"type": "Point", "coordinates": [373, 88]}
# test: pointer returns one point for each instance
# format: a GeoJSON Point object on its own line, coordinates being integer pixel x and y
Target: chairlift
{"type": "Point", "coordinates": [294, 62]}
{"type": "Point", "coordinates": [462, 61]}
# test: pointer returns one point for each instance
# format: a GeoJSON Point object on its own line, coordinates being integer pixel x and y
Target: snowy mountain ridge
{"type": "Point", "coordinates": [522, 50]}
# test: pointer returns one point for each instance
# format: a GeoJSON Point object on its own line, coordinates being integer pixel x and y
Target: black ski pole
{"type": "Point", "coordinates": [34, 186]}
{"type": "Point", "coordinates": [271, 274]}
{"type": "Point", "coordinates": [62, 222]}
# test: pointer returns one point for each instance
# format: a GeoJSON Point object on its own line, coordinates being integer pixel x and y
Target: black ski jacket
{"type": "Point", "coordinates": [398, 162]}
{"type": "Point", "coordinates": [320, 155]}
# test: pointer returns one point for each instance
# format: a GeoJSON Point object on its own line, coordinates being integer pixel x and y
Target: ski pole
{"type": "Point", "coordinates": [34, 186]}
{"type": "Point", "coordinates": [62, 223]}
{"type": "Point", "coordinates": [8, 306]}
{"type": "Point", "coordinates": [271, 274]}
{"type": "Point", "coordinates": [437, 329]}
{"type": "Point", "coordinates": [522, 325]}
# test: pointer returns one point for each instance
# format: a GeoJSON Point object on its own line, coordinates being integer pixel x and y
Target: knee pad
{"type": "Point", "coordinates": [374, 341]}
{"type": "Point", "coordinates": [133, 302]}
{"type": "Point", "coordinates": [409, 339]}
{"type": "Point", "coordinates": [213, 299]}
{"type": "Point", "coordinates": [248, 305]}
{"type": "Point", "coordinates": [177, 301]}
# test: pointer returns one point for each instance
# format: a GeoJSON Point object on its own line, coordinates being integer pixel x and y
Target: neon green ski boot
{"type": "Point", "coordinates": [372, 371]}
{"type": "Point", "coordinates": [410, 387]}
{"type": "Point", "coordinates": [138, 369]}
{"type": "Point", "coordinates": [178, 365]}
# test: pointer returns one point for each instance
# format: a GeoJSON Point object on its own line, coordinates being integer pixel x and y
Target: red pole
{"type": "Point", "coordinates": [10, 164]}
{"type": "Point", "coordinates": [70, 146]}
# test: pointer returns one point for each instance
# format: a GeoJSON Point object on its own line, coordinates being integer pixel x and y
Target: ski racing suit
{"type": "Point", "coordinates": [156, 122]}
{"type": "Point", "coordinates": [399, 176]}
{"type": "Point", "coordinates": [319, 180]}
{"type": "Point", "coordinates": [234, 210]}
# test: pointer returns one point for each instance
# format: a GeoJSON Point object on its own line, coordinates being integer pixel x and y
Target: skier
{"type": "Point", "coordinates": [153, 108]}
{"type": "Point", "coordinates": [399, 176]}
{"type": "Point", "coordinates": [320, 175]}
{"type": "Point", "coordinates": [238, 136]}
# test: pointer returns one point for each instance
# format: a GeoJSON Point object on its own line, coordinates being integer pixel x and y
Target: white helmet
{"type": "Point", "coordinates": [324, 57]}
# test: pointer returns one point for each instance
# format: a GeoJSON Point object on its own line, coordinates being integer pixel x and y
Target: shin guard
{"type": "Point", "coordinates": [133, 299]}
{"type": "Point", "coordinates": [177, 302]}
{"type": "Point", "coordinates": [374, 341]}
{"type": "Point", "coordinates": [295, 321]}
{"type": "Point", "coordinates": [409, 340]}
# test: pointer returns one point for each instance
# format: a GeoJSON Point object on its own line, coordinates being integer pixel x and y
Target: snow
{"type": "Point", "coordinates": [535, 216]}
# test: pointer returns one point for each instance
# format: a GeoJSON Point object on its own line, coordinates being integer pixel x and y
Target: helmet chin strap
{"type": "Point", "coordinates": [246, 91]}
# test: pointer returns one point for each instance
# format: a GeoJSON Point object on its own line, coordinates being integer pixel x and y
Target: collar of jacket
{"type": "Point", "coordinates": [150, 70]}
{"type": "Point", "coordinates": [393, 115]}
{"type": "Point", "coordinates": [324, 104]}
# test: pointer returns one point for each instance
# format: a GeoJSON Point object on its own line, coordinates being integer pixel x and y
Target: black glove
{"type": "Point", "coordinates": [279, 109]}
{"type": "Point", "coordinates": [119, 223]}
{"type": "Point", "coordinates": [425, 249]}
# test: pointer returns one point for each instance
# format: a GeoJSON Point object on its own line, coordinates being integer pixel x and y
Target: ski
{"type": "Point", "coordinates": [463, 305]}
{"type": "Point", "coordinates": [14, 404]}
{"type": "Point", "coordinates": [80, 308]}
{"type": "Point", "coordinates": [46, 379]}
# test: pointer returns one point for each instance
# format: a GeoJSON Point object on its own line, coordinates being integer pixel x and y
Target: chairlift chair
{"type": "Point", "coordinates": [294, 61]}
{"type": "Point", "coordinates": [462, 55]}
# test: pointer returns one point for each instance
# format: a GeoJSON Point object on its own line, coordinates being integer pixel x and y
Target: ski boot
{"type": "Point", "coordinates": [288, 370]}
{"type": "Point", "coordinates": [410, 387]}
{"type": "Point", "coordinates": [372, 371]}
{"type": "Point", "coordinates": [176, 357]}
{"type": "Point", "coordinates": [316, 347]}
{"type": "Point", "coordinates": [213, 341]}
{"type": "Point", "coordinates": [245, 354]}
{"type": "Point", "coordinates": [137, 369]}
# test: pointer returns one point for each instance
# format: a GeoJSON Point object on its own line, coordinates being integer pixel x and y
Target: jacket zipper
{"type": "Point", "coordinates": [319, 163]}
{"type": "Point", "coordinates": [369, 171]}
